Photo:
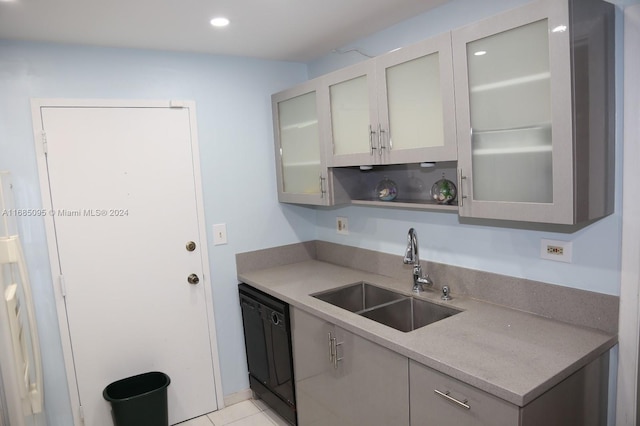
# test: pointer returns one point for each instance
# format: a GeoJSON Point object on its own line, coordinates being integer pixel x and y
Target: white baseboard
{"type": "Point", "coordinates": [237, 397]}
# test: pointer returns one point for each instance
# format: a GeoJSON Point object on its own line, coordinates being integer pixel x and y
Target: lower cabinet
{"type": "Point", "coordinates": [343, 379]}
{"type": "Point", "coordinates": [579, 400]}
{"type": "Point", "coordinates": [439, 400]}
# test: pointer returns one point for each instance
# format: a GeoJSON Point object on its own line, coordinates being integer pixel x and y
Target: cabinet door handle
{"type": "Point", "coordinates": [335, 358]}
{"type": "Point", "coordinates": [381, 145]}
{"type": "Point", "coordinates": [461, 197]}
{"type": "Point", "coordinates": [446, 395]}
{"type": "Point", "coordinates": [371, 133]}
{"type": "Point", "coordinates": [323, 191]}
{"type": "Point", "coordinates": [330, 348]}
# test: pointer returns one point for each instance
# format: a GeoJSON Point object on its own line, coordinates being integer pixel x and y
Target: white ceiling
{"type": "Point", "coordinates": [291, 30]}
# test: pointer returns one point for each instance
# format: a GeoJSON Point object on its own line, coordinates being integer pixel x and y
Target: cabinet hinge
{"type": "Point", "coordinates": [63, 287]}
{"type": "Point", "coordinates": [45, 146]}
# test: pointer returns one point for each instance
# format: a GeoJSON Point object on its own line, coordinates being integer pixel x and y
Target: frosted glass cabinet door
{"type": "Point", "coordinates": [394, 109]}
{"type": "Point", "coordinates": [301, 169]}
{"type": "Point", "coordinates": [416, 103]}
{"type": "Point", "coordinates": [514, 115]}
{"type": "Point", "coordinates": [352, 115]}
{"type": "Point", "coordinates": [300, 144]}
{"type": "Point", "coordinates": [510, 98]}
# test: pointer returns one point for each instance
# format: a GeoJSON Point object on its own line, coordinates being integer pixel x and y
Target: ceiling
{"type": "Point", "coordinates": [290, 30]}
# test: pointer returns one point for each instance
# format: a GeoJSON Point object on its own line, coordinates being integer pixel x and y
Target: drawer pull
{"type": "Point", "coordinates": [446, 395]}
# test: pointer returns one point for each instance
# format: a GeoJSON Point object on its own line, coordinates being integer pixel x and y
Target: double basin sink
{"type": "Point", "coordinates": [393, 309]}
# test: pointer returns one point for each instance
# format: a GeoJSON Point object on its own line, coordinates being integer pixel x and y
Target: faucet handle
{"type": "Point", "coordinates": [445, 293]}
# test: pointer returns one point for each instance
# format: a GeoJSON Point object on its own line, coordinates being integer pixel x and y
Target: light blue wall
{"type": "Point", "coordinates": [491, 246]}
{"type": "Point", "coordinates": [232, 98]}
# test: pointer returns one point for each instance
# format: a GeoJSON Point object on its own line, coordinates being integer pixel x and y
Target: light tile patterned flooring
{"type": "Point", "coordinates": [246, 413]}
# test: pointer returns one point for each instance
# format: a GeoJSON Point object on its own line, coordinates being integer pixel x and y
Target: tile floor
{"type": "Point", "coordinates": [246, 413]}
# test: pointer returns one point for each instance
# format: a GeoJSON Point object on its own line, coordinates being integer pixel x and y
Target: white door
{"type": "Point", "coordinates": [124, 199]}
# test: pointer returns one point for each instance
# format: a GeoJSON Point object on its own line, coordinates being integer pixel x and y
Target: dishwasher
{"type": "Point", "coordinates": [267, 335]}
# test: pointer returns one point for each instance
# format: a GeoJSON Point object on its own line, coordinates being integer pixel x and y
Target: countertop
{"type": "Point", "coordinates": [514, 355]}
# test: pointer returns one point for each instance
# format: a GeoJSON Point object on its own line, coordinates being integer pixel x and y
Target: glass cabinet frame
{"type": "Point", "coordinates": [373, 143]}
{"type": "Point", "coordinates": [582, 190]}
{"type": "Point", "coordinates": [321, 193]}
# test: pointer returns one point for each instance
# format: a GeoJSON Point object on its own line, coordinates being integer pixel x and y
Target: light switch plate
{"type": "Point", "coordinates": [560, 251]}
{"type": "Point", "coordinates": [219, 234]}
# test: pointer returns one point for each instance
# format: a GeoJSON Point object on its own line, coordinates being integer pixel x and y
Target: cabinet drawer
{"type": "Point", "coordinates": [474, 407]}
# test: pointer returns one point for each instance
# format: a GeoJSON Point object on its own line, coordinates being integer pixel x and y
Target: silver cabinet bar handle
{"type": "Point", "coordinates": [461, 197]}
{"type": "Point", "coordinates": [371, 133]}
{"type": "Point", "coordinates": [446, 395]}
{"type": "Point", "coordinates": [381, 145]}
{"type": "Point", "coordinates": [335, 352]}
{"type": "Point", "coordinates": [323, 191]}
{"type": "Point", "coordinates": [330, 348]}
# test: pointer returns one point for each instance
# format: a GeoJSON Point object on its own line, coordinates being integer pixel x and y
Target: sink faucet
{"type": "Point", "coordinates": [411, 256]}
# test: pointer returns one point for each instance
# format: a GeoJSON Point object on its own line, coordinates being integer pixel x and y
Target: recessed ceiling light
{"type": "Point", "coordinates": [480, 52]}
{"type": "Point", "coordinates": [219, 22]}
{"type": "Point", "coordinates": [559, 29]}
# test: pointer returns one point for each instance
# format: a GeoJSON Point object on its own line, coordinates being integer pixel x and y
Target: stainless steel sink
{"type": "Point", "coordinates": [387, 307]}
{"type": "Point", "coordinates": [409, 314]}
{"type": "Point", "coordinates": [358, 297]}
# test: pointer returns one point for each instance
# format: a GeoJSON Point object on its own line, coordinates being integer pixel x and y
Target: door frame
{"type": "Point", "coordinates": [40, 142]}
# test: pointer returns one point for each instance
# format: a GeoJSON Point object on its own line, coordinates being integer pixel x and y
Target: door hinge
{"type": "Point", "coordinates": [63, 287]}
{"type": "Point", "coordinates": [45, 147]}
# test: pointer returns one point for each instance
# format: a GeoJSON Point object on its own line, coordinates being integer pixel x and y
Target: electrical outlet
{"type": "Point", "coordinates": [560, 251]}
{"type": "Point", "coordinates": [342, 225]}
{"type": "Point", "coordinates": [219, 234]}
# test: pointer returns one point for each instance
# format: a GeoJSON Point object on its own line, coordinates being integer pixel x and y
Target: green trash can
{"type": "Point", "coordinates": [139, 400]}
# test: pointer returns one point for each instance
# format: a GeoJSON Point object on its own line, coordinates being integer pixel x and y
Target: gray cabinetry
{"type": "Point", "coordinates": [344, 379]}
{"type": "Point", "coordinates": [456, 403]}
{"type": "Point", "coordinates": [301, 168]}
{"type": "Point", "coordinates": [531, 124]}
{"type": "Point", "coordinates": [439, 400]}
{"type": "Point", "coordinates": [396, 108]}
{"type": "Point", "coordinates": [535, 113]}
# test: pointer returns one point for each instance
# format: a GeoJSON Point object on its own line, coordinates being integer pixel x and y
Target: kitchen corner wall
{"type": "Point", "coordinates": [233, 105]}
{"type": "Point", "coordinates": [491, 246]}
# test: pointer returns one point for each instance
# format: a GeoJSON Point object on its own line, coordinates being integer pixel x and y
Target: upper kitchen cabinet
{"type": "Point", "coordinates": [397, 108]}
{"type": "Point", "coordinates": [301, 169]}
{"type": "Point", "coordinates": [535, 113]}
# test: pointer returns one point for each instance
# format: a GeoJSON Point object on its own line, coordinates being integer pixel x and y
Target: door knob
{"type": "Point", "coordinates": [193, 279]}
{"type": "Point", "coordinates": [191, 246]}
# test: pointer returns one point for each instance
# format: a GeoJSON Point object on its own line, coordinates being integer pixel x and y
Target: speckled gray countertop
{"type": "Point", "coordinates": [511, 354]}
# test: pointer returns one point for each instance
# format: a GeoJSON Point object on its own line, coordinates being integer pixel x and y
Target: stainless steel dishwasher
{"type": "Point", "coordinates": [267, 335]}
